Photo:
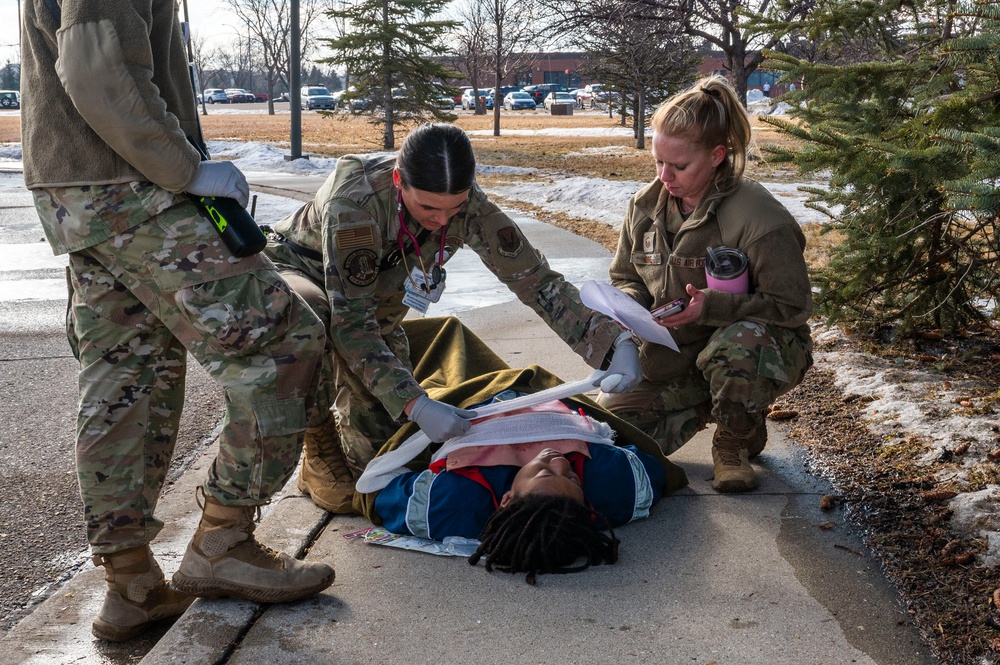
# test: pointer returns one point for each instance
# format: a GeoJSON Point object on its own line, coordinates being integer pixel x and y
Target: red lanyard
{"type": "Point", "coordinates": [403, 230]}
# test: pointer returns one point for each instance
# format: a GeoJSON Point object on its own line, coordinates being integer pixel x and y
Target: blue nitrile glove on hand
{"type": "Point", "coordinates": [625, 372]}
{"type": "Point", "coordinates": [440, 421]}
{"type": "Point", "coordinates": [221, 179]}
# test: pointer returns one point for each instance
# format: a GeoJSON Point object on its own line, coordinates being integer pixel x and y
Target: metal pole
{"type": "Point", "coordinates": [294, 94]}
{"type": "Point", "coordinates": [195, 82]}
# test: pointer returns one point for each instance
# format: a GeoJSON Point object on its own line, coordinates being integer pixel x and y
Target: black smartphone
{"type": "Point", "coordinates": [669, 309]}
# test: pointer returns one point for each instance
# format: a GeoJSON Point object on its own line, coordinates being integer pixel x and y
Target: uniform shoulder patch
{"type": "Point", "coordinates": [355, 237]}
{"type": "Point", "coordinates": [509, 242]}
{"type": "Point", "coordinates": [361, 267]}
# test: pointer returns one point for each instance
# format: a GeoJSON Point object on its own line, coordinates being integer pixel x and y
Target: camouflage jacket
{"type": "Point", "coordinates": [653, 266]}
{"type": "Point", "coordinates": [107, 95]}
{"type": "Point", "coordinates": [353, 223]}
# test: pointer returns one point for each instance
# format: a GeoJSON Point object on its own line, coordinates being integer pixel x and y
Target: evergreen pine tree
{"type": "Point", "coordinates": [389, 49]}
{"type": "Point", "coordinates": [910, 143]}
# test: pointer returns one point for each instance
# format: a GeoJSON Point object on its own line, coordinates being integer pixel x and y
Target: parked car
{"type": "Point", "coordinates": [260, 96]}
{"type": "Point", "coordinates": [516, 101]}
{"type": "Point", "coordinates": [354, 103]}
{"type": "Point", "coordinates": [215, 96]}
{"type": "Point", "coordinates": [504, 89]}
{"type": "Point", "coordinates": [10, 99]}
{"type": "Point", "coordinates": [316, 97]}
{"type": "Point", "coordinates": [554, 98]}
{"type": "Point", "coordinates": [238, 95]}
{"type": "Point", "coordinates": [469, 102]}
{"type": "Point", "coordinates": [538, 92]}
{"type": "Point", "coordinates": [591, 95]}
{"type": "Point", "coordinates": [444, 102]}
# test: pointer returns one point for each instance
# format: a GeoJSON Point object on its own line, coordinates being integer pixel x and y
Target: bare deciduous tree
{"type": "Point", "coordinates": [730, 26]}
{"type": "Point", "coordinates": [268, 25]}
{"type": "Point", "coordinates": [512, 31]}
{"type": "Point", "coordinates": [473, 43]}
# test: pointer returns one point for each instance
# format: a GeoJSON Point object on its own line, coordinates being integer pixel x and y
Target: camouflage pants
{"type": "Point", "coordinates": [363, 424]}
{"type": "Point", "coordinates": [138, 302]}
{"type": "Point", "coordinates": [742, 370]}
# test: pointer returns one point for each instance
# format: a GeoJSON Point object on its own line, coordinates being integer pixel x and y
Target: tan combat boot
{"type": "Point", "coordinates": [224, 559]}
{"type": "Point", "coordinates": [756, 447]}
{"type": "Point", "coordinates": [730, 455]}
{"type": "Point", "coordinates": [324, 476]}
{"type": "Point", "coordinates": [137, 595]}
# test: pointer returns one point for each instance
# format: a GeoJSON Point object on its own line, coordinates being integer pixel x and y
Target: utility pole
{"type": "Point", "coordinates": [295, 91]}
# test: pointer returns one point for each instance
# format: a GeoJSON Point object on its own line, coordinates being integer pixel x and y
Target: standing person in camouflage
{"type": "Point", "coordinates": [738, 351]}
{"type": "Point", "coordinates": [372, 244]}
{"type": "Point", "coordinates": [109, 107]}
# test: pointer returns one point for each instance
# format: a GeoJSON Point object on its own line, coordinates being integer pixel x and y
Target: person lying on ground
{"type": "Point", "coordinates": [542, 488]}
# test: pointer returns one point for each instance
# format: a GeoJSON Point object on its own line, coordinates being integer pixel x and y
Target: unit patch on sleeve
{"type": "Point", "coordinates": [510, 243]}
{"type": "Point", "coordinates": [361, 267]}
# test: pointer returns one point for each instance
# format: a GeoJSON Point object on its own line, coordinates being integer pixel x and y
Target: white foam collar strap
{"type": "Point", "coordinates": [381, 470]}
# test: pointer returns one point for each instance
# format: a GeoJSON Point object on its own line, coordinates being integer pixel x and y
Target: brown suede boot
{"type": "Point", "coordinates": [324, 476]}
{"type": "Point", "coordinates": [730, 455]}
{"type": "Point", "coordinates": [137, 595]}
{"type": "Point", "coordinates": [759, 441]}
{"type": "Point", "coordinates": [224, 559]}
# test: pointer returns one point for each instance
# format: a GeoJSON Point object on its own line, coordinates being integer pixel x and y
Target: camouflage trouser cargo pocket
{"type": "Point", "coordinates": [670, 412]}
{"type": "Point", "coordinates": [244, 325]}
{"type": "Point", "coordinates": [752, 364]}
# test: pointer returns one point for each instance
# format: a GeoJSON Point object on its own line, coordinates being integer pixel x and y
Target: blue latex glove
{"type": "Point", "coordinates": [440, 421]}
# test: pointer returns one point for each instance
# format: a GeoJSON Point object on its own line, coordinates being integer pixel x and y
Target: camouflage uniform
{"type": "Point", "coordinates": [150, 277]}
{"type": "Point", "coordinates": [345, 244]}
{"type": "Point", "coordinates": [745, 350]}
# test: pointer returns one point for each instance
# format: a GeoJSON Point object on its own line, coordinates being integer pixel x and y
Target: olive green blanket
{"type": "Point", "coordinates": [453, 365]}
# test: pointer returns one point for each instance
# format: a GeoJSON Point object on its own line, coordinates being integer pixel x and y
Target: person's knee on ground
{"type": "Point", "coordinates": [536, 534]}
{"type": "Point", "coordinates": [225, 559]}
{"type": "Point", "coordinates": [137, 595]}
{"type": "Point", "coordinates": [325, 476]}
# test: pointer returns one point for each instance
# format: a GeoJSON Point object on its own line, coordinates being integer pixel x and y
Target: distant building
{"type": "Point", "coordinates": [566, 67]}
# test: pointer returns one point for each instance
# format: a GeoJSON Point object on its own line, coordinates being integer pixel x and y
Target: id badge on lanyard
{"type": "Point", "coordinates": [420, 287]}
{"type": "Point", "coordinates": [419, 294]}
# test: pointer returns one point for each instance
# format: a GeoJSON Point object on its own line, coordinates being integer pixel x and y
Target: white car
{"type": "Point", "coordinates": [215, 95]}
{"type": "Point", "coordinates": [469, 102]}
{"type": "Point", "coordinates": [315, 97]}
{"type": "Point", "coordinates": [554, 98]}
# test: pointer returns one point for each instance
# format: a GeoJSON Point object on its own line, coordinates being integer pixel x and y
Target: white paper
{"type": "Point", "coordinates": [609, 300]}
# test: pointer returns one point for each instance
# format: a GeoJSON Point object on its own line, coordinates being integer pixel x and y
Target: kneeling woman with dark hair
{"type": "Point", "coordinates": [545, 503]}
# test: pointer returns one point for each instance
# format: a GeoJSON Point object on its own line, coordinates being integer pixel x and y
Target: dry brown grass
{"type": "Point", "coordinates": [338, 135]}
{"type": "Point", "coordinates": [612, 156]}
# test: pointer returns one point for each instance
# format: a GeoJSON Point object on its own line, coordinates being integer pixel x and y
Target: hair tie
{"type": "Point", "coordinates": [709, 92]}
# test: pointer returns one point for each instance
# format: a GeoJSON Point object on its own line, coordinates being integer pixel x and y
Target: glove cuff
{"type": "Point", "coordinates": [626, 336]}
{"type": "Point", "coordinates": [418, 406]}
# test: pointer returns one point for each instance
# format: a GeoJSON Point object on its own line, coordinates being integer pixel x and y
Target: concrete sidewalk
{"type": "Point", "coordinates": [708, 578]}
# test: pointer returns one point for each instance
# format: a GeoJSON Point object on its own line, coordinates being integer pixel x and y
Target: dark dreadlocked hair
{"type": "Point", "coordinates": [537, 533]}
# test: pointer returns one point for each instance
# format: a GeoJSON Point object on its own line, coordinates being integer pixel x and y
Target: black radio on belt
{"type": "Point", "coordinates": [235, 225]}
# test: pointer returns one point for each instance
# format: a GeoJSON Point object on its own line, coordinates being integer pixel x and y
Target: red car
{"type": "Point", "coordinates": [238, 95]}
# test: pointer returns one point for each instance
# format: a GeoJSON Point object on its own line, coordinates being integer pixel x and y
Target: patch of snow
{"type": "Point", "coordinates": [978, 513]}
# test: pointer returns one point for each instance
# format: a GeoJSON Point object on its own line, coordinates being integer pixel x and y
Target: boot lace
{"type": "Point", "coordinates": [331, 455]}
{"type": "Point", "coordinates": [729, 444]}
